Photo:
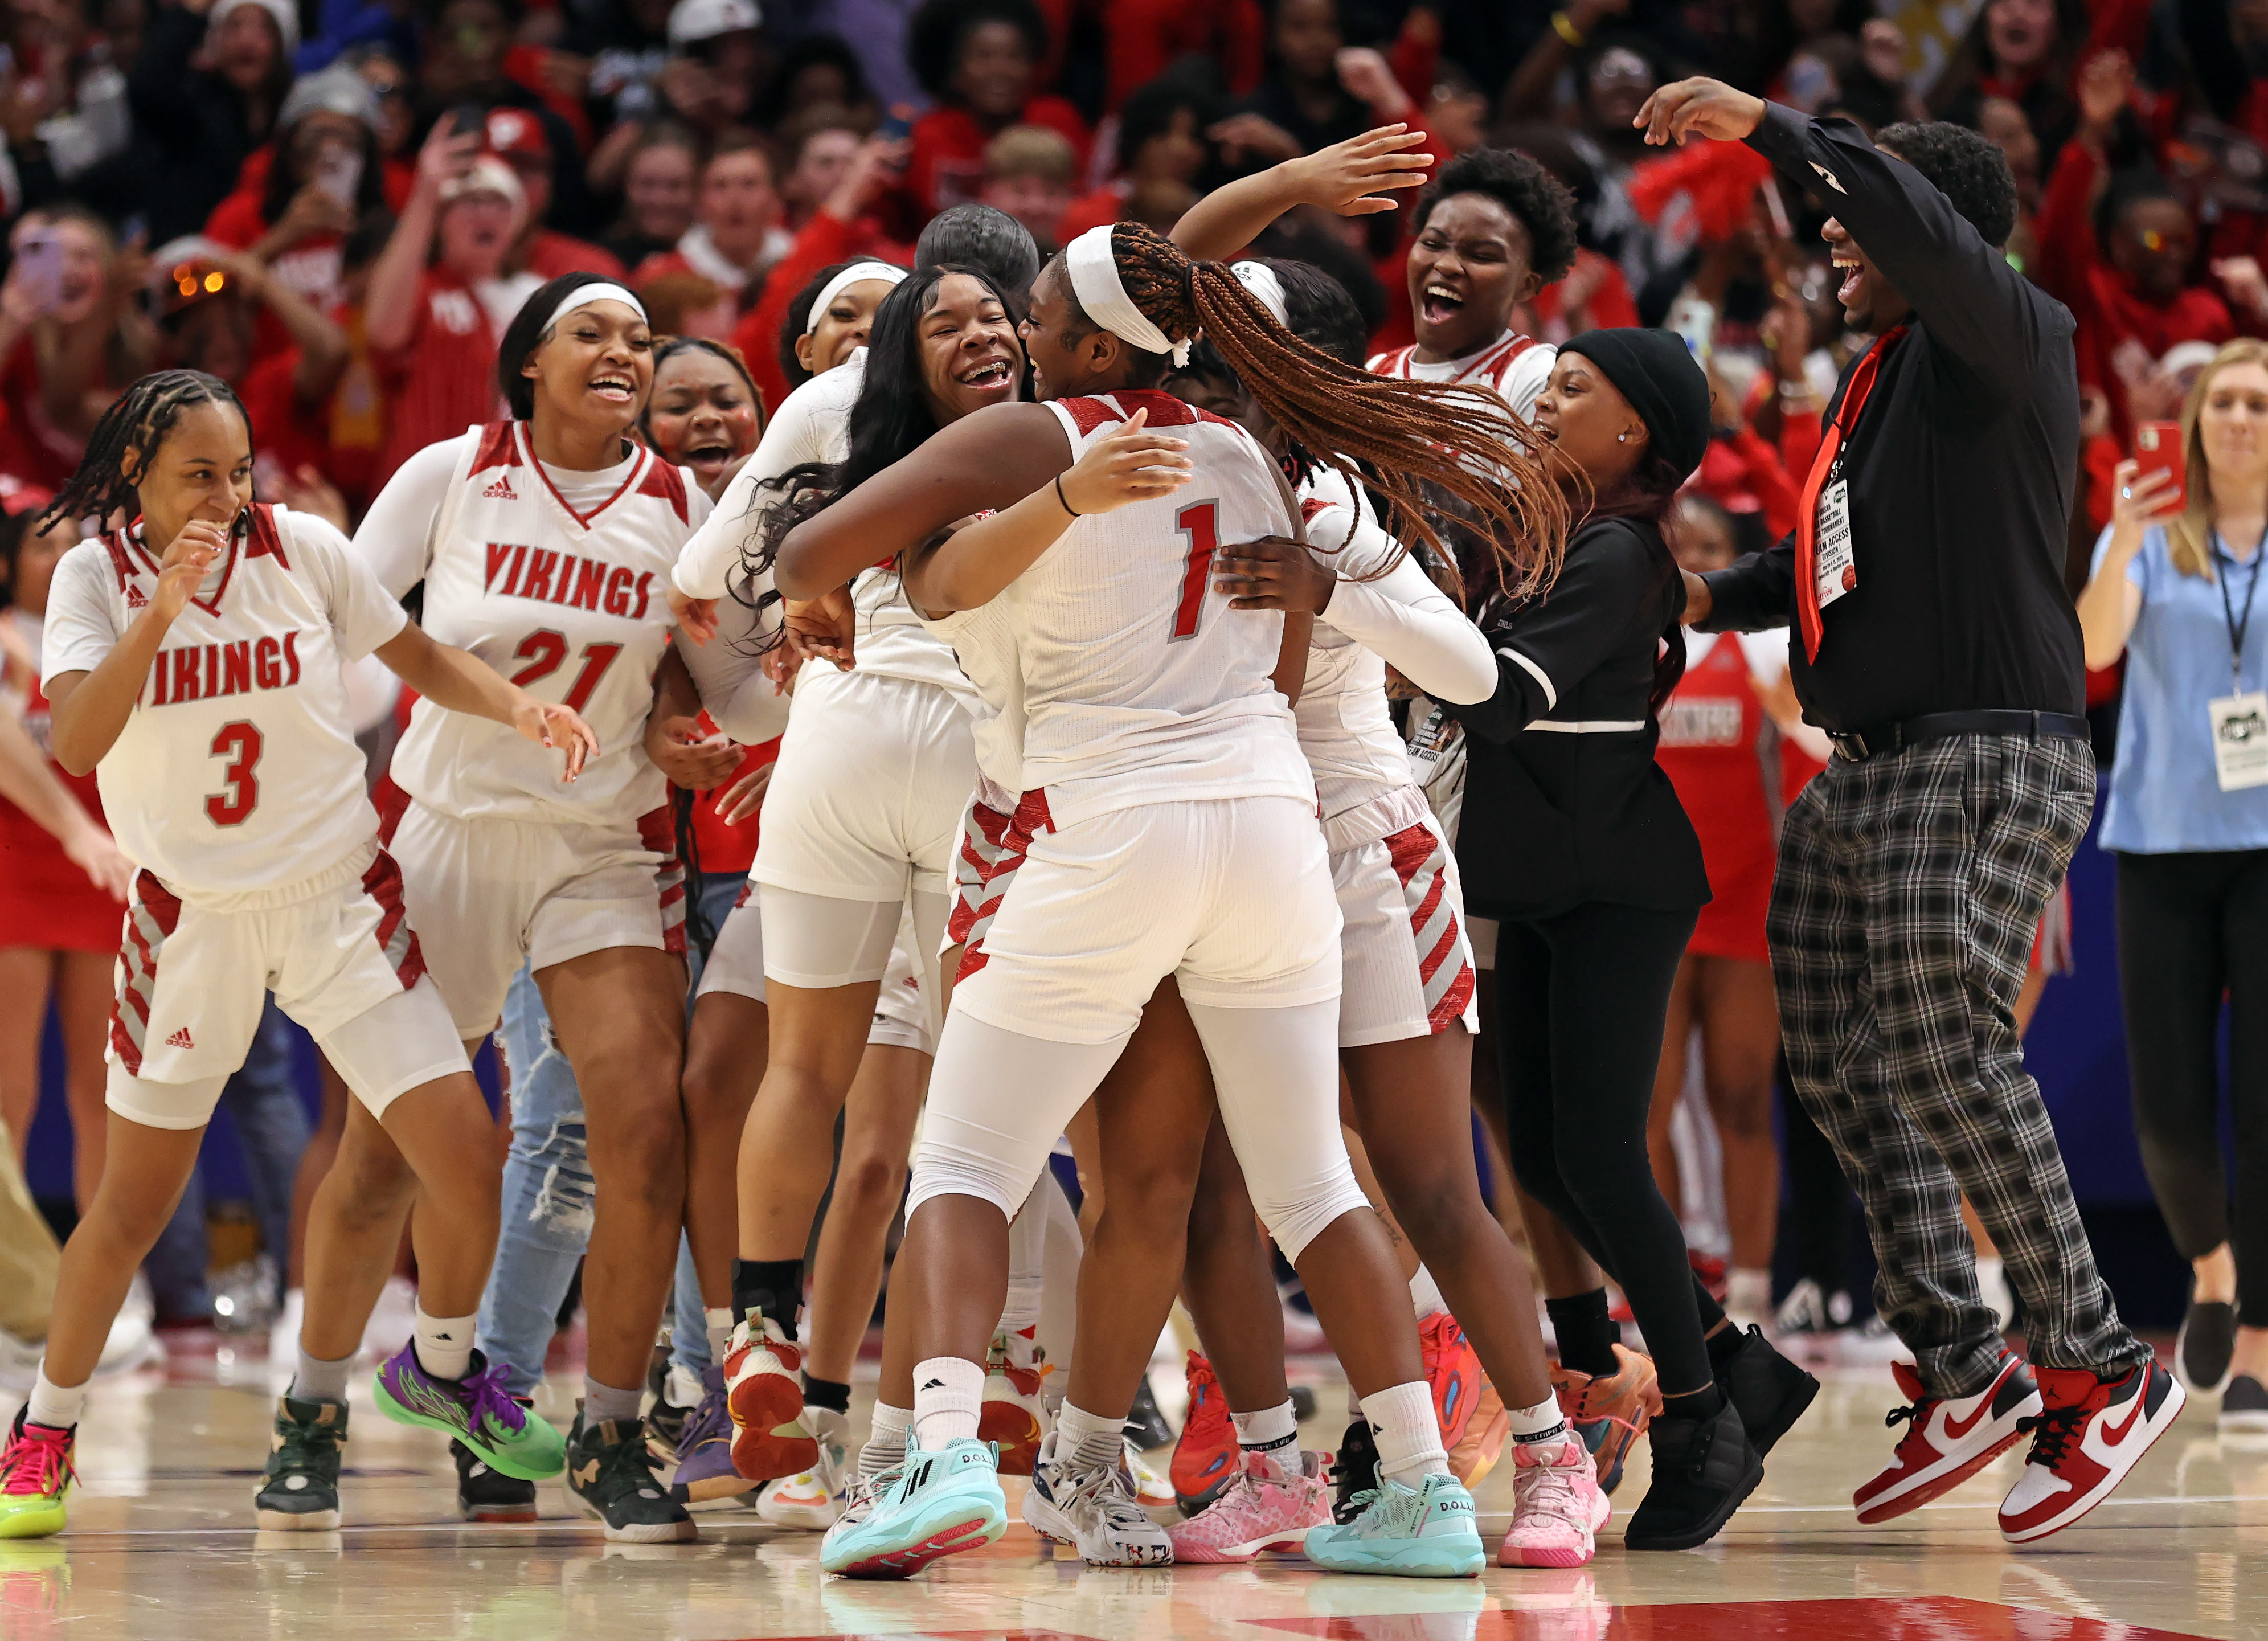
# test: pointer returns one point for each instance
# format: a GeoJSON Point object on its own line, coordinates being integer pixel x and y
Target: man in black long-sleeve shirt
{"type": "Point", "coordinates": [1936, 643]}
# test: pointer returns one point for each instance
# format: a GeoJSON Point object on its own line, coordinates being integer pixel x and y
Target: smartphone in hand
{"type": "Point", "coordinates": [2158, 449]}
{"type": "Point", "coordinates": [40, 268]}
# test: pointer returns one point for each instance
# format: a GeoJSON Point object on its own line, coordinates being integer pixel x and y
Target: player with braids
{"type": "Point", "coordinates": [1401, 436]}
{"type": "Point", "coordinates": [193, 662]}
{"type": "Point", "coordinates": [1167, 827]}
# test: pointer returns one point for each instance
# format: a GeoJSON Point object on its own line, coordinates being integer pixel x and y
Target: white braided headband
{"type": "Point", "coordinates": [1095, 281]}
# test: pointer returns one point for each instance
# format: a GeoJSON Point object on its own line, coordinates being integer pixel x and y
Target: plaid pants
{"type": "Point", "coordinates": [1901, 919]}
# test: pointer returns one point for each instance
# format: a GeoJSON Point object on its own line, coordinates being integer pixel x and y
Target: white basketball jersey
{"type": "Point", "coordinates": [1516, 367]}
{"type": "Point", "coordinates": [237, 770]}
{"type": "Point", "coordinates": [983, 642]}
{"type": "Point", "coordinates": [572, 607]}
{"type": "Point", "coordinates": [1346, 727]}
{"type": "Point", "coordinates": [1141, 686]}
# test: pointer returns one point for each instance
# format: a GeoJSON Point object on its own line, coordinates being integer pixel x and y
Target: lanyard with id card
{"type": "Point", "coordinates": [2239, 719]}
{"type": "Point", "coordinates": [1834, 569]}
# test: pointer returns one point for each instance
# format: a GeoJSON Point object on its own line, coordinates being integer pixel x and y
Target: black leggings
{"type": "Point", "coordinates": [2191, 927]}
{"type": "Point", "coordinates": [1580, 1002]}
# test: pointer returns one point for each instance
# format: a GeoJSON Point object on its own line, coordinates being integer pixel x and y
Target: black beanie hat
{"type": "Point", "coordinates": [1655, 371]}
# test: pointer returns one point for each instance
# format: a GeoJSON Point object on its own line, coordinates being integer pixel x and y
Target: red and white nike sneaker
{"type": "Point", "coordinates": [2091, 1435]}
{"type": "Point", "coordinates": [1947, 1439]}
{"type": "Point", "coordinates": [764, 1392]}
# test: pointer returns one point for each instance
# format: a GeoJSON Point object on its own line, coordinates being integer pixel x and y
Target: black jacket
{"type": "Point", "coordinates": [1961, 469]}
{"type": "Point", "coordinates": [1555, 817]}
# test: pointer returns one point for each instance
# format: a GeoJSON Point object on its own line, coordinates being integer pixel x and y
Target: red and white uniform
{"type": "Point", "coordinates": [555, 578]}
{"type": "Point", "coordinates": [46, 901]}
{"type": "Point", "coordinates": [1147, 701]}
{"type": "Point", "coordinates": [1715, 751]}
{"type": "Point", "coordinates": [1515, 366]}
{"type": "Point", "coordinates": [237, 786]}
{"type": "Point", "coordinates": [1408, 965]}
{"type": "Point", "coordinates": [876, 767]}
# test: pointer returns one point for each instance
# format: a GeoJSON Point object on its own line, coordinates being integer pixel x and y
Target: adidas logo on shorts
{"type": "Point", "coordinates": [181, 1040]}
{"type": "Point", "coordinates": [501, 490]}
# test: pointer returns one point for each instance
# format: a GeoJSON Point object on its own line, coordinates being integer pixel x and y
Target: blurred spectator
{"type": "Point", "coordinates": [1162, 138]}
{"type": "Point", "coordinates": [736, 233]}
{"type": "Point", "coordinates": [1317, 92]}
{"type": "Point", "coordinates": [712, 65]}
{"type": "Point", "coordinates": [679, 303]}
{"type": "Point", "coordinates": [2118, 251]}
{"type": "Point", "coordinates": [659, 183]}
{"type": "Point", "coordinates": [389, 81]}
{"type": "Point", "coordinates": [62, 100]}
{"type": "Point", "coordinates": [816, 147]}
{"type": "Point", "coordinates": [466, 48]}
{"type": "Point", "coordinates": [980, 59]}
{"type": "Point", "coordinates": [1740, 472]}
{"type": "Point", "coordinates": [819, 72]}
{"type": "Point", "coordinates": [628, 45]}
{"type": "Point", "coordinates": [1613, 77]}
{"type": "Point", "coordinates": [517, 138]}
{"type": "Point", "coordinates": [2023, 51]}
{"type": "Point", "coordinates": [2005, 125]}
{"type": "Point", "coordinates": [297, 202]}
{"type": "Point", "coordinates": [206, 91]}
{"type": "Point", "coordinates": [70, 337]}
{"type": "Point", "coordinates": [439, 297]}
{"type": "Point", "coordinates": [1145, 38]}
{"type": "Point", "coordinates": [1028, 171]}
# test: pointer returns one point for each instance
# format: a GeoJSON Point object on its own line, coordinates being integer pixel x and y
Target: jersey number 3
{"type": "Point", "coordinates": [544, 650]}
{"type": "Point", "coordinates": [1200, 523]}
{"type": "Point", "coordinates": [241, 744]}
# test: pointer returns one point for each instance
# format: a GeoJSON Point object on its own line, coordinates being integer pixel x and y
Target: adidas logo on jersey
{"type": "Point", "coordinates": [501, 490]}
{"type": "Point", "coordinates": [136, 599]}
{"type": "Point", "coordinates": [181, 1040]}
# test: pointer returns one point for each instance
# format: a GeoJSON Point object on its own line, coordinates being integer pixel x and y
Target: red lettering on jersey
{"type": "Point", "coordinates": [212, 671]}
{"type": "Point", "coordinates": [618, 591]}
{"type": "Point", "coordinates": [590, 581]}
{"type": "Point", "coordinates": [185, 675]}
{"type": "Point", "coordinates": [291, 656]}
{"type": "Point", "coordinates": [541, 562]}
{"type": "Point", "coordinates": [160, 671]}
{"type": "Point", "coordinates": [512, 578]}
{"type": "Point", "coordinates": [499, 551]}
{"type": "Point", "coordinates": [267, 667]}
{"type": "Point", "coordinates": [236, 660]}
{"type": "Point", "coordinates": [644, 592]}
{"type": "Point", "coordinates": [665, 481]}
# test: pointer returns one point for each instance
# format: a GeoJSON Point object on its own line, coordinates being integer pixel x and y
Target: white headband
{"type": "Point", "coordinates": [1094, 281]}
{"type": "Point", "coordinates": [857, 273]}
{"type": "Point", "coordinates": [583, 296]}
{"type": "Point", "coordinates": [1261, 279]}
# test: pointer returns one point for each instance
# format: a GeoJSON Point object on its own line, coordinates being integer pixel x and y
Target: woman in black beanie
{"type": "Point", "coordinates": [1573, 839]}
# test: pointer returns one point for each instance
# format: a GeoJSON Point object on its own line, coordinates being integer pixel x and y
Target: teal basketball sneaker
{"type": "Point", "coordinates": [933, 1505]}
{"type": "Point", "coordinates": [1426, 1532]}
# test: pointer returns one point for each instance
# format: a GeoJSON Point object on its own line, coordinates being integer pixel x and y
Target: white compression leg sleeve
{"type": "Point", "coordinates": [997, 1100]}
{"type": "Point", "coordinates": [930, 912]}
{"type": "Point", "coordinates": [1277, 1074]}
{"type": "Point", "coordinates": [1028, 1257]}
{"type": "Point", "coordinates": [1059, 1298]}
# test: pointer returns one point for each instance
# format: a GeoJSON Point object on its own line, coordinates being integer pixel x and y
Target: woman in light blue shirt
{"type": "Point", "coordinates": [2174, 590]}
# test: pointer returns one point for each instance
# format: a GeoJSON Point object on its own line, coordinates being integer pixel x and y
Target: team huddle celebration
{"type": "Point", "coordinates": [1083, 764]}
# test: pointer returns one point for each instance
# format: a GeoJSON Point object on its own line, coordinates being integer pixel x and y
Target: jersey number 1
{"type": "Point", "coordinates": [238, 742]}
{"type": "Point", "coordinates": [1200, 522]}
{"type": "Point", "coordinates": [544, 650]}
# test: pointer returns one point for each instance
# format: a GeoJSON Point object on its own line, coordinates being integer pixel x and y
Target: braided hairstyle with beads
{"type": "Point", "coordinates": [138, 420]}
{"type": "Point", "coordinates": [1395, 435]}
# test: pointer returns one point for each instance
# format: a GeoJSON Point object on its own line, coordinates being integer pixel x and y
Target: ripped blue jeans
{"type": "Point", "coordinates": [548, 1194]}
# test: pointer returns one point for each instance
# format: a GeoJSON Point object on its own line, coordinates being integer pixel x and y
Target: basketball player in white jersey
{"type": "Point", "coordinates": [1406, 1019]}
{"type": "Point", "coordinates": [544, 543]}
{"type": "Point", "coordinates": [193, 659]}
{"type": "Point", "coordinates": [1171, 830]}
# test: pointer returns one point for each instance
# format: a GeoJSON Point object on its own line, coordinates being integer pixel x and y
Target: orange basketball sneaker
{"type": "Point", "coordinates": [1615, 1409]}
{"type": "Point", "coordinates": [1453, 1370]}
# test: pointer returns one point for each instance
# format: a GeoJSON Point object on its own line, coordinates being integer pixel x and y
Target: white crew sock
{"type": "Point", "coordinates": [1539, 1425]}
{"type": "Point", "coordinates": [948, 1401]}
{"type": "Point", "coordinates": [1426, 1297]}
{"type": "Point", "coordinates": [887, 1445]}
{"type": "Point", "coordinates": [318, 1381]}
{"type": "Point", "coordinates": [53, 1405]}
{"type": "Point", "coordinates": [717, 1322]}
{"type": "Point", "coordinates": [605, 1402]}
{"type": "Point", "coordinates": [1748, 1293]}
{"type": "Point", "coordinates": [1088, 1441]}
{"type": "Point", "coordinates": [1272, 1435]}
{"type": "Point", "coordinates": [444, 1344]}
{"type": "Point", "coordinates": [1408, 1436]}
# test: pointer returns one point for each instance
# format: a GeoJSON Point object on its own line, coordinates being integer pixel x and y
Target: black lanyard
{"type": "Point", "coordinates": [2238, 628]}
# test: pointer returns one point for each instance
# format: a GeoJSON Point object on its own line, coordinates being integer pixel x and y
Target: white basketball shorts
{"type": "Point", "coordinates": [1408, 966]}
{"type": "Point", "coordinates": [487, 894]}
{"type": "Point", "coordinates": [1231, 895]}
{"type": "Point", "coordinates": [337, 950]}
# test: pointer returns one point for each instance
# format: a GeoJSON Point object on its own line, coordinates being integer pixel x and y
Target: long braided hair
{"type": "Point", "coordinates": [1395, 435]}
{"type": "Point", "coordinates": [138, 420]}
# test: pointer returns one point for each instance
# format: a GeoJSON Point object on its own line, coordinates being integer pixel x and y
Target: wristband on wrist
{"type": "Point", "coordinates": [1067, 507]}
{"type": "Point", "coordinates": [1564, 26]}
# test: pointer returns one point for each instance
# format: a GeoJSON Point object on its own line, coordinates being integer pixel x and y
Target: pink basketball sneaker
{"type": "Point", "coordinates": [1258, 1509]}
{"type": "Point", "coordinates": [1556, 1506]}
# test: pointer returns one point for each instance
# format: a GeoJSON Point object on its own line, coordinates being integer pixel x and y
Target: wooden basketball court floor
{"type": "Point", "coordinates": [162, 1546]}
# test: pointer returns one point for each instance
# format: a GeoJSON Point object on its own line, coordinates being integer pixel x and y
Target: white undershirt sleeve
{"type": "Point", "coordinates": [1412, 625]}
{"type": "Point", "coordinates": [396, 537]}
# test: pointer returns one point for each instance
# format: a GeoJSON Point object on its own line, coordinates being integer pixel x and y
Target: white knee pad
{"type": "Point", "coordinates": [996, 1102]}
{"type": "Point", "coordinates": [818, 942]}
{"type": "Point", "coordinates": [403, 1043]}
{"type": "Point", "coordinates": [1277, 1074]}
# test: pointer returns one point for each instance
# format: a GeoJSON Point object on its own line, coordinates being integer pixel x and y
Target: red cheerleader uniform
{"type": "Point", "coordinates": [1712, 748]}
{"type": "Point", "coordinates": [47, 903]}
